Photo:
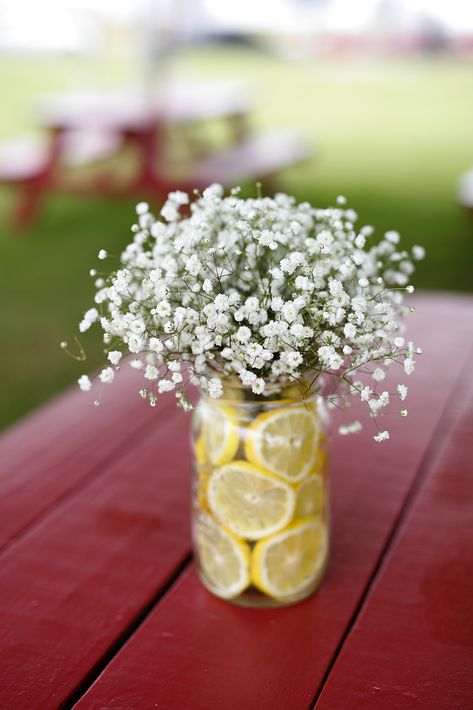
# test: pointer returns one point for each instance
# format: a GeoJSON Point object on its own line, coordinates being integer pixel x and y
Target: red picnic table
{"type": "Point", "coordinates": [83, 128]}
{"type": "Point", "coordinates": [101, 607]}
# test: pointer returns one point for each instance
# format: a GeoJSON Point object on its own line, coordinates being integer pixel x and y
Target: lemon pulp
{"type": "Point", "coordinates": [284, 441]}
{"type": "Point", "coordinates": [224, 560]}
{"type": "Point", "coordinates": [287, 563]}
{"type": "Point", "coordinates": [250, 502]}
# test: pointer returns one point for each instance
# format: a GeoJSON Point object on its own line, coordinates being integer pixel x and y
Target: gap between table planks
{"type": "Point", "coordinates": [77, 582]}
{"type": "Point", "coordinates": [59, 609]}
{"type": "Point", "coordinates": [55, 450]}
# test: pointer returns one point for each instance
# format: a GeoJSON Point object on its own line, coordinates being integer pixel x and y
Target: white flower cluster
{"type": "Point", "coordinates": [261, 289]}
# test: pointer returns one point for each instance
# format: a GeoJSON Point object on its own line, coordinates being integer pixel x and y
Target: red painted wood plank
{"type": "Point", "coordinates": [197, 651]}
{"type": "Point", "coordinates": [55, 449]}
{"type": "Point", "coordinates": [74, 584]}
{"type": "Point", "coordinates": [412, 645]}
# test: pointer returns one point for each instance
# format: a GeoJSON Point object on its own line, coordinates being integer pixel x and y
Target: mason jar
{"type": "Point", "coordinates": [260, 495]}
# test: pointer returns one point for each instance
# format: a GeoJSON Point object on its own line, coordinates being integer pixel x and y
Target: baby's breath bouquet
{"type": "Point", "coordinates": [265, 290]}
{"type": "Point", "coordinates": [272, 308]}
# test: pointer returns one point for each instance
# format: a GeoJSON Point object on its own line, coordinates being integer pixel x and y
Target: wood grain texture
{"type": "Point", "coordinates": [412, 645]}
{"type": "Point", "coordinates": [195, 651]}
{"type": "Point", "coordinates": [78, 580]}
{"type": "Point", "coordinates": [51, 452]}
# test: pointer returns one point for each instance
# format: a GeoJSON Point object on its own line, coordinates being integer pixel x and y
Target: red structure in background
{"type": "Point", "coordinates": [86, 128]}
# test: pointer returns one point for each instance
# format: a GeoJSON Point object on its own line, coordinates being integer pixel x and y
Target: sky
{"type": "Point", "coordinates": [74, 24]}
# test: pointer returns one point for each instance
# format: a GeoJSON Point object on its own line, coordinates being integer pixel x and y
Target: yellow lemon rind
{"type": "Point", "coordinates": [317, 478]}
{"type": "Point", "coordinates": [231, 440]}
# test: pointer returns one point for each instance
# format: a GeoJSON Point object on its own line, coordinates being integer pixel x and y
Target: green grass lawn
{"type": "Point", "coordinates": [392, 136]}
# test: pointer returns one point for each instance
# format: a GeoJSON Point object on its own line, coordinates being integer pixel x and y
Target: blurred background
{"type": "Point", "coordinates": [106, 102]}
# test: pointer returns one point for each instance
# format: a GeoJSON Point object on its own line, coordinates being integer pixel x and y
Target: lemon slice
{"type": "Point", "coordinates": [310, 496]}
{"type": "Point", "coordinates": [250, 502]}
{"type": "Point", "coordinates": [284, 441]}
{"type": "Point", "coordinates": [224, 560]}
{"type": "Point", "coordinates": [286, 564]}
{"type": "Point", "coordinates": [220, 434]}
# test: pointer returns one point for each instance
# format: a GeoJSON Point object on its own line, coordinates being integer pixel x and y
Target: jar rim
{"type": "Point", "coordinates": [273, 393]}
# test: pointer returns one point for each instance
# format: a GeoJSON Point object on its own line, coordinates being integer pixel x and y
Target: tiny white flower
{"type": "Point", "coordinates": [156, 345]}
{"type": "Point", "coordinates": [392, 236]}
{"type": "Point", "coordinates": [418, 252]}
{"type": "Point", "coordinates": [378, 375]}
{"type": "Point", "coordinates": [243, 334]}
{"type": "Point", "coordinates": [163, 309]}
{"type": "Point", "coordinates": [114, 356]}
{"type": "Point", "coordinates": [349, 330]}
{"type": "Point", "coordinates": [165, 386]}
{"type": "Point", "coordinates": [382, 436]}
{"type": "Point", "coordinates": [84, 325]}
{"type": "Point", "coordinates": [399, 342]}
{"type": "Point", "coordinates": [402, 391]}
{"type": "Point", "coordinates": [213, 191]}
{"type": "Point", "coordinates": [84, 383]}
{"type": "Point", "coordinates": [102, 254]}
{"type": "Point", "coordinates": [151, 372]}
{"type": "Point", "coordinates": [215, 387]}
{"type": "Point", "coordinates": [107, 375]}
{"type": "Point", "coordinates": [136, 364]}
{"type": "Point", "coordinates": [258, 386]}
{"type": "Point", "coordinates": [170, 211]}
{"type": "Point", "coordinates": [360, 241]}
{"type": "Point", "coordinates": [142, 208]}
{"type": "Point", "coordinates": [366, 393]}
{"type": "Point", "coordinates": [409, 365]}
{"type": "Point", "coordinates": [289, 311]}
{"type": "Point", "coordinates": [352, 428]}
{"type": "Point", "coordinates": [383, 399]}
{"type": "Point", "coordinates": [247, 377]}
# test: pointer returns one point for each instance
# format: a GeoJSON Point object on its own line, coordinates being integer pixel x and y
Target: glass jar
{"type": "Point", "coordinates": [260, 496]}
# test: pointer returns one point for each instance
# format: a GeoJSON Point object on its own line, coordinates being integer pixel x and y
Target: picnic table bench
{"type": "Point", "coordinates": [100, 605]}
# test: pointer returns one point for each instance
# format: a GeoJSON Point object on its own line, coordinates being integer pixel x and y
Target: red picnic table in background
{"type": "Point", "coordinates": [83, 128]}
{"type": "Point", "coordinates": [101, 607]}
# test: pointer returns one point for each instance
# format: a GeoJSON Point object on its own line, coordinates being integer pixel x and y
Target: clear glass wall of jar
{"type": "Point", "coordinates": [260, 496]}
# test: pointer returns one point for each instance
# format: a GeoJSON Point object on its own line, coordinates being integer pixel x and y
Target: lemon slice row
{"type": "Point", "coordinates": [284, 441]}
{"type": "Point", "coordinates": [282, 566]}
